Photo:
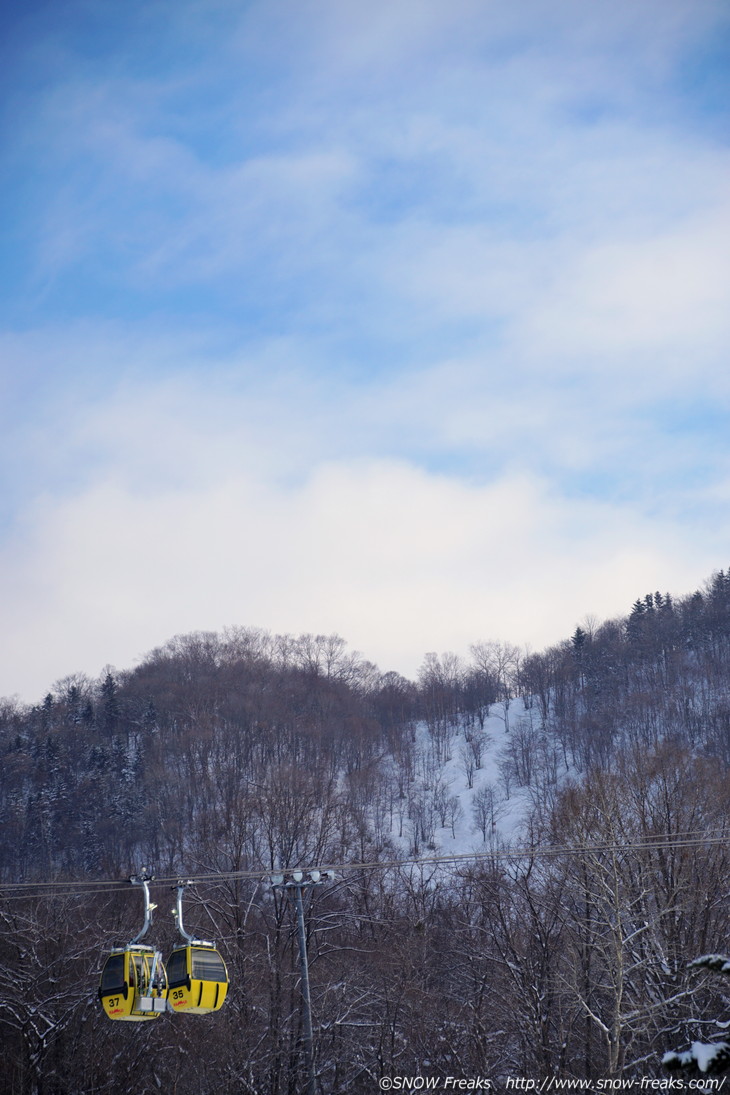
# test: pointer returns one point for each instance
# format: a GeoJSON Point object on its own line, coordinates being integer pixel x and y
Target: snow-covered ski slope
{"type": "Point", "coordinates": [466, 787]}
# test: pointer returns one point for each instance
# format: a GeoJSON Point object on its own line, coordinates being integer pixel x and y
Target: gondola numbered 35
{"type": "Point", "coordinates": [133, 984]}
{"type": "Point", "coordinates": [197, 975]}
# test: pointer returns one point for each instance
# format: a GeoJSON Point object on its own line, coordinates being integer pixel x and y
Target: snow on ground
{"type": "Point", "coordinates": [509, 813]}
{"type": "Point", "coordinates": [487, 814]}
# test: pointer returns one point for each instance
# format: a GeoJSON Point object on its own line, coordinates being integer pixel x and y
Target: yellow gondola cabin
{"type": "Point", "coordinates": [133, 984]}
{"type": "Point", "coordinates": [197, 979]}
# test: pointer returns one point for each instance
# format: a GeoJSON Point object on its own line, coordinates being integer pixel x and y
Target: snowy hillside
{"type": "Point", "coordinates": [468, 791]}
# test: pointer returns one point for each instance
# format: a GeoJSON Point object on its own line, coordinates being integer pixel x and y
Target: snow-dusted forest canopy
{"type": "Point", "coordinates": [591, 779]}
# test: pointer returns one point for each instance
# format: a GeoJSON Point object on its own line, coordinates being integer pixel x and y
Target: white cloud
{"type": "Point", "coordinates": [394, 559]}
{"type": "Point", "coordinates": [252, 489]}
{"type": "Point", "coordinates": [668, 293]}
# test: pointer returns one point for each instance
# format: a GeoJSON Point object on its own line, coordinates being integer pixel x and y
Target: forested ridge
{"type": "Point", "coordinates": [562, 949]}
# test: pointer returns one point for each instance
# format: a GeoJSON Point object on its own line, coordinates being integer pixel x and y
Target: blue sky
{"type": "Point", "coordinates": [406, 320]}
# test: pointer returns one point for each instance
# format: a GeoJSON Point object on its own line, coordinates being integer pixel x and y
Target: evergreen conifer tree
{"type": "Point", "coordinates": [110, 703]}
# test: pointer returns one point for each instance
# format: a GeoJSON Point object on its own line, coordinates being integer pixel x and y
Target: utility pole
{"type": "Point", "coordinates": [294, 882]}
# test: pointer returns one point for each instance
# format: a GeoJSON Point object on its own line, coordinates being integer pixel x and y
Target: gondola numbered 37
{"type": "Point", "coordinates": [197, 975]}
{"type": "Point", "coordinates": [133, 984]}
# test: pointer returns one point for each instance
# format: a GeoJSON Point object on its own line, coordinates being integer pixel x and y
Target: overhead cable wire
{"type": "Point", "coordinates": [662, 841]}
